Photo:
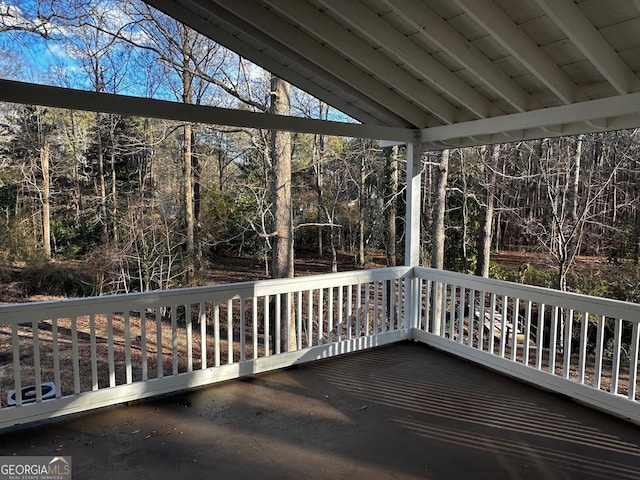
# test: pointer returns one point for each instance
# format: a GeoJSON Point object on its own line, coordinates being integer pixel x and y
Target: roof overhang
{"type": "Point", "coordinates": [463, 72]}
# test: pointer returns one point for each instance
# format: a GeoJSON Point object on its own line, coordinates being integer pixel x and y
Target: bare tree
{"type": "Point", "coordinates": [486, 217]}
{"type": "Point", "coordinates": [439, 209]}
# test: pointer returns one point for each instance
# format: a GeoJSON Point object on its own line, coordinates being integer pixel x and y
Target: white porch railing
{"type": "Point", "coordinates": [579, 346]}
{"type": "Point", "coordinates": [108, 350]}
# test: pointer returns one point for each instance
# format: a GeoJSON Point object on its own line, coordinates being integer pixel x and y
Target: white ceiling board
{"type": "Point", "coordinates": [587, 38]}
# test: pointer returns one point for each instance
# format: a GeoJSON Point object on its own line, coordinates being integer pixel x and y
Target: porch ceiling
{"type": "Point", "coordinates": [465, 71]}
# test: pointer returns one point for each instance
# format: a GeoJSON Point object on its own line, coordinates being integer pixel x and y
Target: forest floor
{"type": "Point", "coordinates": [29, 283]}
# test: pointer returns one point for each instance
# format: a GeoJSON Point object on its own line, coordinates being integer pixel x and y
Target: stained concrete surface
{"type": "Point", "coordinates": [403, 412]}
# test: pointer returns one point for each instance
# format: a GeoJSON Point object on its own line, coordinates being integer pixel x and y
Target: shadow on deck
{"type": "Point", "coordinates": [402, 411]}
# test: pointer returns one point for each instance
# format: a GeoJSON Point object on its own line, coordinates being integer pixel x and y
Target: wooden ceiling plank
{"type": "Point", "coordinates": [590, 42]}
{"type": "Point", "coordinates": [309, 48]}
{"type": "Point", "coordinates": [376, 29]}
{"type": "Point", "coordinates": [339, 38]}
{"type": "Point", "coordinates": [506, 32]}
{"type": "Point", "coordinates": [438, 31]}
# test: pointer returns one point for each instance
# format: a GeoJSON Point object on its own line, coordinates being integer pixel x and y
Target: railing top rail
{"type": "Point", "coordinates": [594, 305]}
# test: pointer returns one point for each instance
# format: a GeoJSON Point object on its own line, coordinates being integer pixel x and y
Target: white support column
{"type": "Point", "coordinates": [412, 220]}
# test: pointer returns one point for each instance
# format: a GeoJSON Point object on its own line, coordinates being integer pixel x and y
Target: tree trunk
{"type": "Point", "coordinates": [188, 189]}
{"type": "Point", "coordinates": [101, 182]}
{"type": "Point", "coordinates": [114, 186]}
{"type": "Point", "coordinates": [282, 257]}
{"type": "Point", "coordinates": [439, 208]}
{"type": "Point", "coordinates": [361, 213]}
{"type": "Point", "coordinates": [391, 180]}
{"type": "Point", "coordinates": [46, 195]}
{"type": "Point", "coordinates": [438, 235]}
{"type": "Point", "coordinates": [486, 219]}
{"type": "Point", "coordinates": [318, 153]}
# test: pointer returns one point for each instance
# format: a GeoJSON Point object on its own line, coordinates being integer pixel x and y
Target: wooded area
{"type": "Point", "coordinates": [149, 204]}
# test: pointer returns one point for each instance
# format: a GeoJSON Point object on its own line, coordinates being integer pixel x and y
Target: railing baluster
{"type": "Point", "coordinates": [568, 331]}
{"type": "Point", "coordinates": [340, 313]}
{"type": "Point", "coordinates": [330, 316]}
{"type": "Point", "coordinates": [56, 357]}
{"type": "Point", "coordinates": [527, 333]}
{"type": "Point", "coordinates": [230, 358]}
{"type": "Point", "coordinates": [481, 315]}
{"type": "Point", "coordinates": [375, 308]}
{"type": "Point", "coordinates": [470, 316]}
{"type": "Point", "coordinates": [75, 355]}
{"type": "Point", "coordinates": [553, 340]}
{"type": "Point", "coordinates": [615, 367]}
{"type": "Point", "coordinates": [461, 303]}
{"type": "Point", "coordinates": [243, 333]}
{"type": "Point", "coordinates": [320, 315]}
{"type": "Point", "coordinates": [358, 310]}
{"type": "Point", "coordinates": [492, 323]}
{"type": "Point", "coordinates": [597, 377]}
{"type": "Point", "coordinates": [582, 356]}
{"type": "Point", "coordinates": [127, 348]}
{"type": "Point", "coordinates": [110, 351]}
{"type": "Point", "coordinates": [392, 303]}
{"type": "Point", "coordinates": [427, 310]}
{"type": "Point", "coordinates": [443, 310]}
{"type": "Point", "coordinates": [435, 326]}
{"type": "Point", "coordinates": [367, 310]}
{"type": "Point", "coordinates": [17, 371]}
{"type": "Point", "coordinates": [452, 311]}
{"type": "Point", "coordinates": [159, 346]}
{"type": "Point", "coordinates": [254, 324]}
{"type": "Point", "coordinates": [309, 318]}
{"type": "Point", "coordinates": [202, 316]}
{"type": "Point", "coordinates": [504, 333]}
{"type": "Point", "coordinates": [266, 327]}
{"type": "Point", "coordinates": [288, 319]}
{"type": "Point", "coordinates": [515, 320]}
{"type": "Point", "coordinates": [94, 353]}
{"type": "Point", "coordinates": [349, 311]}
{"type": "Point", "coordinates": [216, 333]}
{"type": "Point", "coordinates": [174, 339]}
{"type": "Point", "coordinates": [540, 335]}
{"type": "Point", "coordinates": [143, 344]}
{"type": "Point", "coordinates": [299, 320]}
{"type": "Point", "coordinates": [278, 330]}
{"type": "Point", "coordinates": [35, 338]}
{"type": "Point", "coordinates": [188, 312]}
{"type": "Point", "coordinates": [633, 359]}
{"type": "Point", "coordinates": [384, 314]}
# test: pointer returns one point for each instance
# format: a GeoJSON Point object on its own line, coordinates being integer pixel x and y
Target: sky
{"type": "Point", "coordinates": [62, 61]}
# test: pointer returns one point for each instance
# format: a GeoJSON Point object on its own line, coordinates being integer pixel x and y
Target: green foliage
{"type": "Point", "coordinates": [590, 283]}
{"type": "Point", "coordinates": [538, 277]}
{"type": "Point", "coordinates": [17, 243]}
{"type": "Point", "coordinates": [498, 271]}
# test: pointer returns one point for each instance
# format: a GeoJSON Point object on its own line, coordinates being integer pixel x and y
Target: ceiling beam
{"type": "Point", "coordinates": [314, 52]}
{"type": "Point", "coordinates": [438, 31]}
{"type": "Point", "coordinates": [593, 112]}
{"type": "Point", "coordinates": [369, 24]}
{"type": "Point", "coordinates": [571, 20]}
{"type": "Point", "coordinates": [330, 33]}
{"type": "Point", "coordinates": [520, 46]}
{"type": "Point", "coordinates": [58, 97]}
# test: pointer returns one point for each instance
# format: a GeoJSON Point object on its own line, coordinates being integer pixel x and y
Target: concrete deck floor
{"type": "Point", "coordinates": [403, 411]}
